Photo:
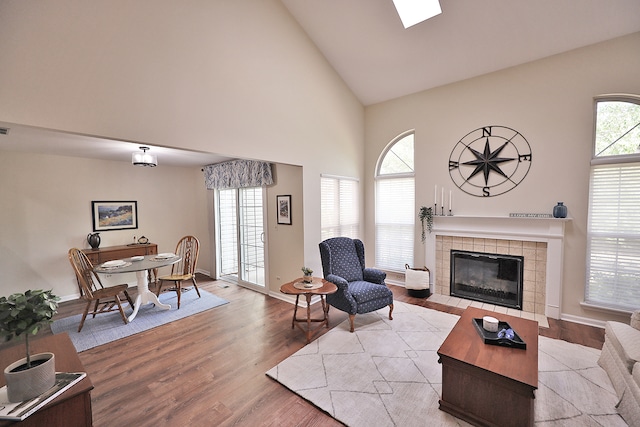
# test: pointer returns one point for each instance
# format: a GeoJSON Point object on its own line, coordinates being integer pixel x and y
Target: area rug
{"type": "Point", "coordinates": [386, 373]}
{"type": "Point", "coordinates": [109, 327]}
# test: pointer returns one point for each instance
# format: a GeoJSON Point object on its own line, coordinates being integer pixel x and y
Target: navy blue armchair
{"type": "Point", "coordinates": [360, 289]}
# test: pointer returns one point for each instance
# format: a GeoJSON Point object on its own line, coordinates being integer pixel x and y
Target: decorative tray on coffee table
{"type": "Point", "coordinates": [493, 338]}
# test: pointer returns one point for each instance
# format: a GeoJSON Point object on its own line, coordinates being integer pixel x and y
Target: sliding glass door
{"type": "Point", "coordinates": [241, 237]}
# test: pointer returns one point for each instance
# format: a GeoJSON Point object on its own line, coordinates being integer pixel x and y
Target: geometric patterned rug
{"type": "Point", "coordinates": [386, 373]}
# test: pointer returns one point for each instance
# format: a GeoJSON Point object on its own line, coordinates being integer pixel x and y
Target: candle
{"type": "Point", "coordinates": [442, 199]}
{"type": "Point", "coordinates": [435, 194]}
{"type": "Point", "coordinates": [450, 203]}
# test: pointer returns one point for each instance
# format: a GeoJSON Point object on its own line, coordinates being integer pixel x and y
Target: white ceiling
{"type": "Point", "coordinates": [44, 141]}
{"type": "Point", "coordinates": [365, 42]}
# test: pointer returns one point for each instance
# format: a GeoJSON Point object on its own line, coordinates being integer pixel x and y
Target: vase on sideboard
{"type": "Point", "coordinates": [94, 240]}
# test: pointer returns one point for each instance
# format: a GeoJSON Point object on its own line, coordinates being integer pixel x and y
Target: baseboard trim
{"type": "Point", "coordinates": [583, 320]}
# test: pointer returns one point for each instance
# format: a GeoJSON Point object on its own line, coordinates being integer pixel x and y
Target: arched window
{"type": "Point", "coordinates": [613, 234]}
{"type": "Point", "coordinates": [395, 204]}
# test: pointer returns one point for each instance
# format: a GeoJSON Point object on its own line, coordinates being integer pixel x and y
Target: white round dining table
{"type": "Point", "coordinates": [141, 268]}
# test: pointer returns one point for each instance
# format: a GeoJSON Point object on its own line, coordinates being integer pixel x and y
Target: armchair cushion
{"type": "Point", "coordinates": [635, 319]}
{"type": "Point", "coordinates": [344, 258]}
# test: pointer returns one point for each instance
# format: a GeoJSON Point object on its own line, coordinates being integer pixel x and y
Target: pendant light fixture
{"type": "Point", "coordinates": [144, 158]}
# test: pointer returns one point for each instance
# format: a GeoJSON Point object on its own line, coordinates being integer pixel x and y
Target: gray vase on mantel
{"type": "Point", "coordinates": [560, 210]}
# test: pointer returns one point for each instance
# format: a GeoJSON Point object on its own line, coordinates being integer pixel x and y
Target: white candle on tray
{"type": "Point", "coordinates": [450, 203]}
{"type": "Point", "coordinates": [435, 194]}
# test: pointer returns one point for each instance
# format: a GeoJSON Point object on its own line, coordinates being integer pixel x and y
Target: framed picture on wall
{"type": "Point", "coordinates": [283, 205]}
{"type": "Point", "coordinates": [114, 215]}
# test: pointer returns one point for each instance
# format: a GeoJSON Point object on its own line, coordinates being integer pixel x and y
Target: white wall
{"type": "Point", "coordinates": [285, 254]}
{"type": "Point", "coordinates": [238, 78]}
{"type": "Point", "coordinates": [551, 103]}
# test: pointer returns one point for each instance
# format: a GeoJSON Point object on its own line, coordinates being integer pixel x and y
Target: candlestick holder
{"type": "Point", "coordinates": [442, 211]}
{"type": "Point", "coordinates": [435, 209]}
{"type": "Point", "coordinates": [450, 214]}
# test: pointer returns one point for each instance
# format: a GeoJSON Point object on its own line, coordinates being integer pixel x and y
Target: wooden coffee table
{"type": "Point", "coordinates": [489, 385]}
{"type": "Point", "coordinates": [322, 288]}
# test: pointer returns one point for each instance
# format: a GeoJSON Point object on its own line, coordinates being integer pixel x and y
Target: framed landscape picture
{"type": "Point", "coordinates": [114, 215]}
{"type": "Point", "coordinates": [283, 205]}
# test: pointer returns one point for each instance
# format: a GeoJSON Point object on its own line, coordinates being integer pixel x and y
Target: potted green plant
{"type": "Point", "coordinates": [426, 218]}
{"type": "Point", "coordinates": [307, 272]}
{"type": "Point", "coordinates": [25, 314]}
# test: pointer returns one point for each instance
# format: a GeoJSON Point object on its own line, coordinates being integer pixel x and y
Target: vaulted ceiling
{"type": "Point", "coordinates": [366, 43]}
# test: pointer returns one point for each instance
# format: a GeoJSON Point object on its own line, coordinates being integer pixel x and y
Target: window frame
{"type": "Point", "coordinates": [356, 204]}
{"type": "Point", "coordinates": [592, 298]}
{"type": "Point", "coordinates": [388, 177]}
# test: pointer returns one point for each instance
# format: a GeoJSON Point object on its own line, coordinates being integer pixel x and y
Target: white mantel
{"type": "Point", "coordinates": [549, 230]}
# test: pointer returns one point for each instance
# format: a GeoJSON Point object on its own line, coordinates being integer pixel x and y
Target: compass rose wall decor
{"type": "Point", "coordinates": [490, 161]}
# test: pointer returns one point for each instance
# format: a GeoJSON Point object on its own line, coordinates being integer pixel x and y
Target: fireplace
{"type": "Point", "coordinates": [491, 278]}
{"type": "Point", "coordinates": [539, 240]}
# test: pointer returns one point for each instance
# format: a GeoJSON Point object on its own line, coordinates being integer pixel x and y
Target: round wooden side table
{"type": "Point", "coordinates": [319, 286]}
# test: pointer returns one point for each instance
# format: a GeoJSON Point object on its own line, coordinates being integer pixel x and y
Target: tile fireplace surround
{"type": "Point", "coordinates": [539, 240]}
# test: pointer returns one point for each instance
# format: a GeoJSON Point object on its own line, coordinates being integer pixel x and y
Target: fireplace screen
{"type": "Point", "coordinates": [490, 278]}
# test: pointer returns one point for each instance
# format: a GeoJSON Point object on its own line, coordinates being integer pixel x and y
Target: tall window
{"type": "Point", "coordinates": [395, 204]}
{"type": "Point", "coordinates": [613, 236]}
{"type": "Point", "coordinates": [340, 213]}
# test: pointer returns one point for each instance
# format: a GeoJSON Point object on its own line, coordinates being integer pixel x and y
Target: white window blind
{"type": "Point", "coordinates": [395, 204]}
{"type": "Point", "coordinates": [613, 264]}
{"type": "Point", "coordinates": [340, 212]}
{"type": "Point", "coordinates": [395, 222]}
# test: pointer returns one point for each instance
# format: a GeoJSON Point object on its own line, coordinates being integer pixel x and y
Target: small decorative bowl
{"type": "Point", "coordinates": [490, 323]}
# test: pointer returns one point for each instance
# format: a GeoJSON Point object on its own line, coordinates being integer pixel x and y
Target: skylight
{"type": "Point", "coordinates": [413, 12]}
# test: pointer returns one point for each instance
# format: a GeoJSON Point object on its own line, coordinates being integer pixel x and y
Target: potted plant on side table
{"type": "Point", "coordinates": [25, 314]}
{"type": "Point", "coordinates": [307, 275]}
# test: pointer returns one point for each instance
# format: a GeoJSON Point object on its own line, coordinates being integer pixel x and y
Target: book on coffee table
{"type": "Point", "coordinates": [18, 411]}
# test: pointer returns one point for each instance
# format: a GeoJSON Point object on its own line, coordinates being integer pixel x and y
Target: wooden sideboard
{"type": "Point", "coordinates": [73, 407]}
{"type": "Point", "coordinates": [109, 253]}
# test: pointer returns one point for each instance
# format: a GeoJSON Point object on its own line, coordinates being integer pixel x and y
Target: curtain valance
{"type": "Point", "coordinates": [238, 174]}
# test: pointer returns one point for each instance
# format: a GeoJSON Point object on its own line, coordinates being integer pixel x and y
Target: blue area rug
{"type": "Point", "coordinates": [109, 327]}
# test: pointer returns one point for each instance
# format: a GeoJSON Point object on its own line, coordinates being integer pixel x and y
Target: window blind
{"type": "Point", "coordinates": [613, 236]}
{"type": "Point", "coordinates": [395, 221]}
{"type": "Point", "coordinates": [340, 212]}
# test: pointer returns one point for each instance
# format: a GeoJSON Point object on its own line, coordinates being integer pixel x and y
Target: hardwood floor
{"type": "Point", "coordinates": [209, 369]}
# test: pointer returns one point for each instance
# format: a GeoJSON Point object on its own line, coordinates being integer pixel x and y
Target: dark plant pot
{"type": "Point", "coordinates": [419, 293]}
{"type": "Point", "coordinates": [24, 384]}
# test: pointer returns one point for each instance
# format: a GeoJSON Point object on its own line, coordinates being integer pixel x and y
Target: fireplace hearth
{"type": "Point", "coordinates": [491, 278]}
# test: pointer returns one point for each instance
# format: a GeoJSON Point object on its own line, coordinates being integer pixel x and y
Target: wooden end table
{"type": "Point", "coordinates": [489, 385]}
{"type": "Point", "coordinates": [322, 288]}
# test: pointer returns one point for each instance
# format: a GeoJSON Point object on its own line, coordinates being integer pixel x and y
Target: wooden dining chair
{"type": "Point", "coordinates": [104, 300]}
{"type": "Point", "coordinates": [187, 249]}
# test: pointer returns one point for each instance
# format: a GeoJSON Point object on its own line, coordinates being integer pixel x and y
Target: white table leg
{"type": "Point", "coordinates": [145, 296]}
